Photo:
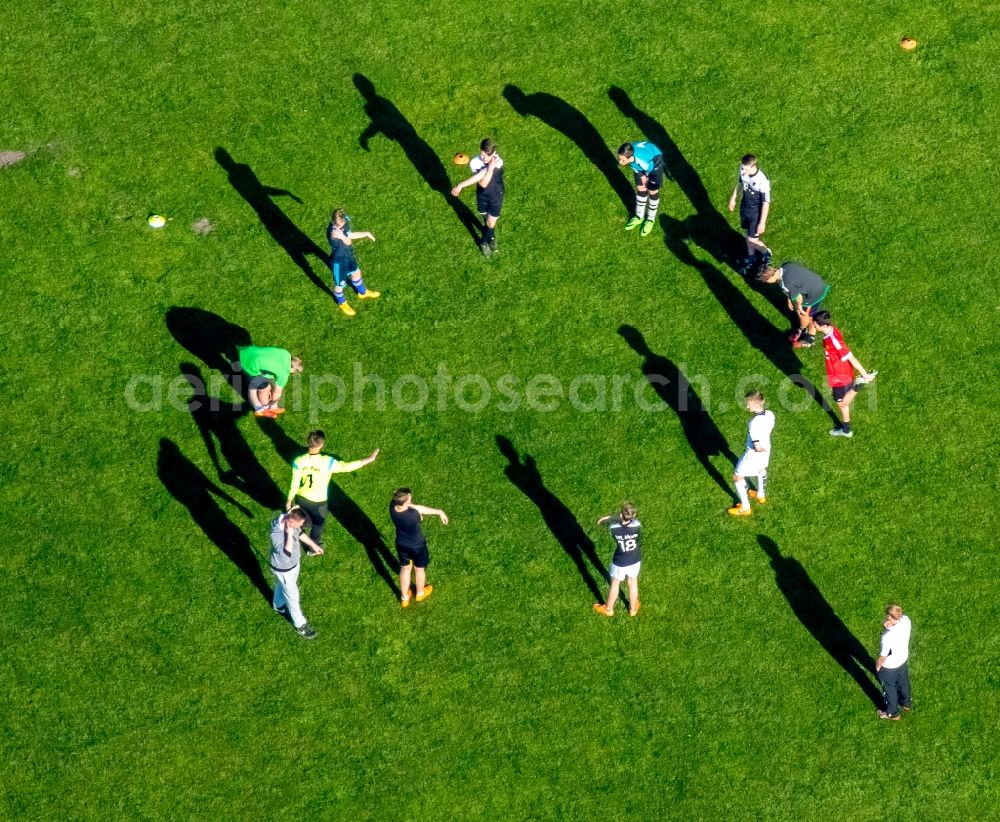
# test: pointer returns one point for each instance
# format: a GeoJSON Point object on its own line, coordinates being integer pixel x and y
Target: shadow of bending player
{"type": "Point", "coordinates": [707, 227]}
{"type": "Point", "coordinates": [216, 342]}
{"type": "Point", "coordinates": [389, 121]}
{"type": "Point", "coordinates": [217, 424]}
{"type": "Point", "coordinates": [190, 487]}
{"type": "Point", "coordinates": [570, 122]}
{"type": "Point", "coordinates": [207, 336]}
{"type": "Point", "coordinates": [344, 510]}
{"type": "Point", "coordinates": [525, 476]}
{"type": "Point", "coordinates": [285, 233]}
{"type": "Point", "coordinates": [760, 332]}
{"type": "Point", "coordinates": [816, 615]}
{"type": "Point", "coordinates": [703, 435]}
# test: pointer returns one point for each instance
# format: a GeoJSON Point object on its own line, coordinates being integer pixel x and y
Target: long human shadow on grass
{"type": "Point", "coordinates": [524, 475]}
{"type": "Point", "coordinates": [344, 510]}
{"type": "Point", "coordinates": [212, 339]}
{"type": "Point", "coordinates": [388, 120]}
{"type": "Point", "coordinates": [216, 342]}
{"type": "Point", "coordinates": [760, 332]}
{"type": "Point", "coordinates": [672, 386]}
{"type": "Point", "coordinates": [196, 492]}
{"type": "Point", "coordinates": [708, 228]}
{"type": "Point", "coordinates": [296, 243]}
{"type": "Point", "coordinates": [816, 615]}
{"type": "Point", "coordinates": [570, 122]}
{"type": "Point", "coordinates": [225, 443]}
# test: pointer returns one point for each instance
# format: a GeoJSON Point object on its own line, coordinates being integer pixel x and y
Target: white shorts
{"type": "Point", "coordinates": [628, 571]}
{"type": "Point", "coordinates": [752, 462]}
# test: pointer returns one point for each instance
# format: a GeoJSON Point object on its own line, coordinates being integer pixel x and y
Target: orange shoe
{"type": "Point", "coordinates": [602, 610]}
{"type": "Point", "coordinates": [754, 496]}
{"type": "Point", "coordinates": [267, 413]}
{"type": "Point", "coordinates": [428, 589]}
{"type": "Point", "coordinates": [738, 511]}
{"type": "Point", "coordinates": [634, 609]}
{"type": "Point", "coordinates": [405, 601]}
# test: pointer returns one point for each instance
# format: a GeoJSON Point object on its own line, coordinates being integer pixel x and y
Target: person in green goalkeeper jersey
{"type": "Point", "coordinates": [269, 369]}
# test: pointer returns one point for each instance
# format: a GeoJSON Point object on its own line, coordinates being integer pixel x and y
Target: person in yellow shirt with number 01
{"type": "Point", "coordinates": [311, 479]}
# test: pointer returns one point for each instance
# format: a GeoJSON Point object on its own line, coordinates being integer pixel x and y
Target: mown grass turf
{"type": "Point", "coordinates": [146, 675]}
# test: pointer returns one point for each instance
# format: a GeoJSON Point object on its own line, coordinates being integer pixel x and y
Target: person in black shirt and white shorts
{"type": "Point", "coordinates": [411, 544]}
{"type": "Point", "coordinates": [625, 564]}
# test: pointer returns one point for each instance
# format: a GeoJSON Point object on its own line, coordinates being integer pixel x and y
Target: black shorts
{"type": "Point", "coordinates": [748, 221]}
{"type": "Point", "coordinates": [420, 557]}
{"type": "Point", "coordinates": [342, 268]}
{"type": "Point", "coordinates": [489, 203]}
{"type": "Point", "coordinates": [654, 179]}
{"type": "Point", "coordinates": [841, 391]}
{"type": "Point", "coordinates": [261, 381]}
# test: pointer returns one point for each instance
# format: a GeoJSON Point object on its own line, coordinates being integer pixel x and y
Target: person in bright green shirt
{"type": "Point", "coordinates": [311, 479]}
{"type": "Point", "coordinates": [269, 369]}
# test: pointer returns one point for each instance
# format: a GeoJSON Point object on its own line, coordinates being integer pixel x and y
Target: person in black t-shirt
{"type": "Point", "coordinates": [805, 290]}
{"type": "Point", "coordinates": [625, 564]}
{"type": "Point", "coordinates": [411, 544]}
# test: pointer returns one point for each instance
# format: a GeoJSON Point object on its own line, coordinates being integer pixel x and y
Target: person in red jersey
{"type": "Point", "coordinates": [840, 367]}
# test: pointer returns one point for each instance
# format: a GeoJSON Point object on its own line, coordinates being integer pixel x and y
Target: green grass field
{"type": "Point", "coordinates": [146, 676]}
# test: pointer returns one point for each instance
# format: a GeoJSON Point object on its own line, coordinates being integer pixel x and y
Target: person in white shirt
{"type": "Point", "coordinates": [487, 177]}
{"type": "Point", "coordinates": [891, 665]}
{"type": "Point", "coordinates": [754, 209]}
{"type": "Point", "coordinates": [756, 458]}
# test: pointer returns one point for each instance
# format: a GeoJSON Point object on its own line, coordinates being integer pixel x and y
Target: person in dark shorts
{"type": "Point", "coordinates": [646, 162]}
{"type": "Point", "coordinates": [840, 367]}
{"type": "Point", "coordinates": [310, 485]}
{"type": "Point", "coordinates": [754, 209]}
{"type": "Point", "coordinates": [625, 564]}
{"type": "Point", "coordinates": [343, 263]}
{"type": "Point", "coordinates": [411, 544]}
{"type": "Point", "coordinates": [487, 176]}
{"type": "Point", "coordinates": [805, 290]}
{"type": "Point", "coordinates": [268, 368]}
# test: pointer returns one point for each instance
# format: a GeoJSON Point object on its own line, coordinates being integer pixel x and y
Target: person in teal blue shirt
{"type": "Point", "coordinates": [646, 162]}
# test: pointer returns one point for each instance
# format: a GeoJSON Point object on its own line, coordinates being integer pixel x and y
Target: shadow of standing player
{"type": "Point", "coordinates": [668, 381]}
{"type": "Point", "coordinates": [389, 121]}
{"type": "Point", "coordinates": [816, 615]}
{"type": "Point", "coordinates": [708, 227]}
{"type": "Point", "coordinates": [570, 122]}
{"type": "Point", "coordinates": [285, 233]}
{"type": "Point", "coordinates": [760, 332]}
{"type": "Point", "coordinates": [525, 476]}
{"type": "Point", "coordinates": [217, 423]}
{"type": "Point", "coordinates": [196, 492]}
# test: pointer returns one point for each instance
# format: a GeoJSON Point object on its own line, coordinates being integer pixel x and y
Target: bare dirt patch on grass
{"type": "Point", "coordinates": [9, 158]}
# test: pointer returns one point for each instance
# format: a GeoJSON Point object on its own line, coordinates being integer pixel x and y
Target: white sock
{"type": "Point", "coordinates": [741, 489]}
{"type": "Point", "coordinates": [654, 204]}
{"type": "Point", "coordinates": [762, 484]}
{"type": "Point", "coordinates": [640, 205]}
